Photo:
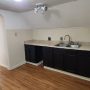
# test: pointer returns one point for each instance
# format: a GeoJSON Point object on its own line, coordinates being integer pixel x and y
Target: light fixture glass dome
{"type": "Point", "coordinates": [18, 0]}
{"type": "Point", "coordinates": [40, 8]}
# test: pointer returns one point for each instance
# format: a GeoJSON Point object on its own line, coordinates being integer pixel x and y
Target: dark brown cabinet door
{"type": "Point", "coordinates": [84, 63]}
{"type": "Point", "coordinates": [26, 52]}
{"type": "Point", "coordinates": [47, 56]}
{"type": "Point", "coordinates": [38, 53]}
{"type": "Point", "coordinates": [70, 62]}
{"type": "Point", "coordinates": [33, 53]}
{"type": "Point", "coordinates": [58, 58]}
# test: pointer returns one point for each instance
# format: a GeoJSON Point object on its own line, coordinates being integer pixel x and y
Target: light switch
{"type": "Point", "coordinates": [16, 34]}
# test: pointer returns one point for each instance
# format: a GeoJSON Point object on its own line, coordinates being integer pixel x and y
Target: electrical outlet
{"type": "Point", "coordinates": [49, 38]}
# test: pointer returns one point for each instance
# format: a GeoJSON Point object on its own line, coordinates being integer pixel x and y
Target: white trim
{"type": "Point", "coordinates": [35, 64]}
{"type": "Point", "coordinates": [67, 73]}
{"type": "Point", "coordinates": [17, 65]}
{"type": "Point", "coordinates": [5, 66]}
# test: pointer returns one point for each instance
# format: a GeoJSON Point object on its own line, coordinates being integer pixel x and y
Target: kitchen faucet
{"type": "Point", "coordinates": [68, 38]}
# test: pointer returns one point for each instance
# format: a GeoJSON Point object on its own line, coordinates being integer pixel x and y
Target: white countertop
{"type": "Point", "coordinates": [84, 46]}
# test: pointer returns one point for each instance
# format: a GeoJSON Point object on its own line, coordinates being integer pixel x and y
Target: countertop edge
{"type": "Point", "coordinates": [84, 47]}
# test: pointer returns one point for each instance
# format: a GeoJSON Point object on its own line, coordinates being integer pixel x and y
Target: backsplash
{"type": "Point", "coordinates": [76, 33]}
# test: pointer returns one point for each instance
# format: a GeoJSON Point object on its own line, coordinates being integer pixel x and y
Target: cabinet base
{"type": "Point", "coordinates": [67, 73]}
{"type": "Point", "coordinates": [36, 64]}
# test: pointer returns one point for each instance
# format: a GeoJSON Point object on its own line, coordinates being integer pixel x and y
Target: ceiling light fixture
{"type": "Point", "coordinates": [40, 8]}
{"type": "Point", "coordinates": [18, 0]}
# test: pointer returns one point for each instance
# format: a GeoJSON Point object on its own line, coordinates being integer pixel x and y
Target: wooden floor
{"type": "Point", "coordinates": [28, 77]}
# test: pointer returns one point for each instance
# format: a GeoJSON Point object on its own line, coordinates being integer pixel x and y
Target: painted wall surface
{"type": "Point", "coordinates": [17, 32]}
{"type": "Point", "coordinates": [76, 33]}
{"type": "Point", "coordinates": [16, 40]}
{"type": "Point", "coordinates": [70, 14]}
{"type": "Point", "coordinates": [14, 21]}
{"type": "Point", "coordinates": [4, 55]}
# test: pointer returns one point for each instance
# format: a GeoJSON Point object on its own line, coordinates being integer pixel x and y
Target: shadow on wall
{"type": "Point", "coordinates": [57, 2]}
{"type": "Point", "coordinates": [49, 13]}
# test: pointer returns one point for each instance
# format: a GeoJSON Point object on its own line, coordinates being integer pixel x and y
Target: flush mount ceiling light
{"type": "Point", "coordinates": [18, 0]}
{"type": "Point", "coordinates": [40, 8]}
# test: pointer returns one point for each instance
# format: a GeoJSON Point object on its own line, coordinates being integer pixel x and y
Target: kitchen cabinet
{"type": "Point", "coordinates": [74, 61]}
{"type": "Point", "coordinates": [27, 52]}
{"type": "Point", "coordinates": [70, 61]}
{"type": "Point", "coordinates": [48, 56]}
{"type": "Point", "coordinates": [33, 53]}
{"type": "Point", "coordinates": [58, 58]}
{"type": "Point", "coordinates": [84, 63]}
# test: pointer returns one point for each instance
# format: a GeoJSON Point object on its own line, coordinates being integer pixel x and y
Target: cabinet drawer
{"type": "Point", "coordinates": [58, 50]}
{"type": "Point", "coordinates": [71, 52]}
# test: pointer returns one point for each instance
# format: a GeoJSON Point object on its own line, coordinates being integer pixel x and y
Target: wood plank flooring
{"type": "Point", "coordinates": [29, 77]}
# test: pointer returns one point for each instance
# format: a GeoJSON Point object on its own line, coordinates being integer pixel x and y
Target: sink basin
{"type": "Point", "coordinates": [74, 46]}
{"type": "Point", "coordinates": [68, 45]}
{"type": "Point", "coordinates": [62, 45]}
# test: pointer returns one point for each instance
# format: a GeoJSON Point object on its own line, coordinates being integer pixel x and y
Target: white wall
{"type": "Point", "coordinates": [14, 21]}
{"type": "Point", "coordinates": [76, 33]}
{"type": "Point", "coordinates": [16, 40]}
{"type": "Point", "coordinates": [17, 32]}
{"type": "Point", "coordinates": [71, 14]}
{"type": "Point", "coordinates": [4, 55]}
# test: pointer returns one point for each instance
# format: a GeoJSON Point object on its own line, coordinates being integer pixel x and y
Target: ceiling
{"type": "Point", "coordinates": [27, 5]}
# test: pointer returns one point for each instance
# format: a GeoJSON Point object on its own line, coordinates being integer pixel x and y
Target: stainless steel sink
{"type": "Point", "coordinates": [62, 45]}
{"type": "Point", "coordinates": [69, 45]}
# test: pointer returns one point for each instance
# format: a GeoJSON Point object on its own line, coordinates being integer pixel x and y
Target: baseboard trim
{"type": "Point", "coordinates": [35, 64]}
{"type": "Point", "coordinates": [67, 73]}
{"type": "Point", "coordinates": [17, 65]}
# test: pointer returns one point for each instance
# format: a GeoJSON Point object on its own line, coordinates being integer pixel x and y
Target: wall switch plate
{"type": "Point", "coordinates": [16, 34]}
{"type": "Point", "coordinates": [49, 38]}
{"type": "Point", "coordinates": [61, 38]}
